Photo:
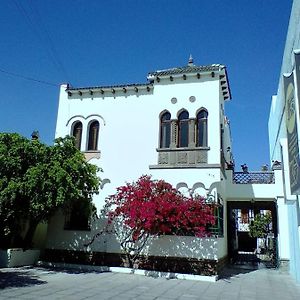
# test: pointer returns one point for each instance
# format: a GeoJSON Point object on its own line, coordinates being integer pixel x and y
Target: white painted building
{"type": "Point", "coordinates": [172, 127]}
{"type": "Point", "coordinates": [281, 148]}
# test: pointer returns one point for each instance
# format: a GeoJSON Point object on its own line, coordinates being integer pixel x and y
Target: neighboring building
{"type": "Point", "coordinates": [172, 127]}
{"type": "Point", "coordinates": [284, 128]}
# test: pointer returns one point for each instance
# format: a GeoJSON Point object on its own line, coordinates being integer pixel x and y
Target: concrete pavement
{"type": "Point", "coordinates": [44, 283]}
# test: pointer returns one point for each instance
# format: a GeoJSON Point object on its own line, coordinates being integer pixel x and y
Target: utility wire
{"type": "Point", "coordinates": [47, 35]}
{"type": "Point", "coordinates": [52, 53]}
{"type": "Point", "coordinates": [28, 78]}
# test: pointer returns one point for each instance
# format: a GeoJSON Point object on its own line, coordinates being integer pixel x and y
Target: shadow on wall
{"type": "Point", "coordinates": [100, 241]}
{"type": "Point", "coordinates": [167, 253]}
{"type": "Point", "coordinates": [182, 246]}
{"type": "Point", "coordinates": [75, 240]}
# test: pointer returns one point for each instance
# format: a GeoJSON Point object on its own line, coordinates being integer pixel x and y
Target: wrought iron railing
{"type": "Point", "coordinates": [253, 178]}
{"type": "Point", "coordinates": [218, 228]}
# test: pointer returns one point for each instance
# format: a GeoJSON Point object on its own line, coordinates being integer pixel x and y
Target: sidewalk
{"type": "Point", "coordinates": [42, 283]}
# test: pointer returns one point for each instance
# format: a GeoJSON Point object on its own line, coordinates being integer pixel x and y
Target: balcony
{"type": "Point", "coordinates": [253, 177]}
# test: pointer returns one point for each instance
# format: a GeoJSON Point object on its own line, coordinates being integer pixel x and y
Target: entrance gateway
{"type": "Point", "coordinates": [244, 249]}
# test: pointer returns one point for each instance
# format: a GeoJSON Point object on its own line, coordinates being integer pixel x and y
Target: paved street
{"type": "Point", "coordinates": [41, 283]}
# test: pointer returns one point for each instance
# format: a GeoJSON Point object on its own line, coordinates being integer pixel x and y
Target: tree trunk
{"type": "Point", "coordinates": [27, 242]}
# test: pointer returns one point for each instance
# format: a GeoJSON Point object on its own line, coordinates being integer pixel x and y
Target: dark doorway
{"type": "Point", "coordinates": [244, 249]}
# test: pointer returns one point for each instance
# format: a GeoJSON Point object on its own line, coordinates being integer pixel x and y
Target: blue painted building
{"type": "Point", "coordinates": [284, 129]}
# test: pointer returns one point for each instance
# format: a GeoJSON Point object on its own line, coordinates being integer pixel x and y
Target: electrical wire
{"type": "Point", "coordinates": [43, 36]}
{"type": "Point", "coordinates": [28, 78]}
{"type": "Point", "coordinates": [47, 35]}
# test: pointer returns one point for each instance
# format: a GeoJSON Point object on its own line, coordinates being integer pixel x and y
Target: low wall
{"type": "Point", "coordinates": [16, 257]}
{"type": "Point", "coordinates": [178, 254]}
{"type": "Point", "coordinates": [177, 246]}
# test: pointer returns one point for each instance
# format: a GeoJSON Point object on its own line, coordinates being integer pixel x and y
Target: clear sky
{"type": "Point", "coordinates": [93, 42]}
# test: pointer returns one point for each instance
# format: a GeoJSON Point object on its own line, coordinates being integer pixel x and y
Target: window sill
{"type": "Point", "coordinates": [182, 157]}
{"type": "Point", "coordinates": [90, 154]}
{"type": "Point", "coordinates": [91, 151]}
{"type": "Point", "coordinates": [182, 149]}
{"type": "Point", "coordinates": [185, 166]}
{"type": "Point", "coordinates": [77, 229]}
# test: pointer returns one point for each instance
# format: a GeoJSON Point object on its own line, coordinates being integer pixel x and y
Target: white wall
{"type": "Point", "coordinates": [283, 230]}
{"type": "Point", "coordinates": [128, 139]}
{"type": "Point", "coordinates": [288, 228]}
{"type": "Point", "coordinates": [58, 238]}
{"type": "Point", "coordinates": [259, 191]}
{"type": "Point", "coordinates": [129, 129]}
{"type": "Point", "coordinates": [276, 119]}
{"type": "Point", "coordinates": [172, 246]}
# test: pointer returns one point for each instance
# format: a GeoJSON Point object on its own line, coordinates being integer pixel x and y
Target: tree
{"type": "Point", "coordinates": [36, 180]}
{"type": "Point", "coordinates": [260, 226]}
{"type": "Point", "coordinates": [151, 208]}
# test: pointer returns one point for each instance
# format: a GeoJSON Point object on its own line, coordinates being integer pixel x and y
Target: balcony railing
{"type": "Point", "coordinates": [253, 178]}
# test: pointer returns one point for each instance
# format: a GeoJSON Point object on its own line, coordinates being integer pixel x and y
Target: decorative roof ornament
{"type": "Point", "coordinates": [191, 61]}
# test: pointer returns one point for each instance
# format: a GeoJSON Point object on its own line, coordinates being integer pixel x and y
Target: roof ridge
{"type": "Point", "coordinates": [187, 69]}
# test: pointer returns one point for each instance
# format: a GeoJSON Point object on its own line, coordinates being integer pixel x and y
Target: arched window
{"type": "Point", "coordinates": [77, 133]}
{"type": "Point", "coordinates": [165, 130]}
{"type": "Point", "coordinates": [202, 128]}
{"type": "Point", "coordinates": [183, 129]}
{"type": "Point", "coordinates": [93, 135]}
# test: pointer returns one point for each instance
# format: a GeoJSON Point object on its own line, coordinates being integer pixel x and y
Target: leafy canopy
{"type": "Point", "coordinates": [261, 225]}
{"type": "Point", "coordinates": [36, 180]}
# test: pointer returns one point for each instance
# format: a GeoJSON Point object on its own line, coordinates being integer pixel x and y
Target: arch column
{"type": "Point", "coordinates": [192, 142]}
{"type": "Point", "coordinates": [174, 132]}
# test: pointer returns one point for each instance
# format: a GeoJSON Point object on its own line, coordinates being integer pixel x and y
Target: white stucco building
{"type": "Point", "coordinates": [284, 128]}
{"type": "Point", "coordinates": [172, 127]}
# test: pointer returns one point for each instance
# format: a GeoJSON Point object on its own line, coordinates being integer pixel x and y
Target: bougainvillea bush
{"type": "Point", "coordinates": [153, 207]}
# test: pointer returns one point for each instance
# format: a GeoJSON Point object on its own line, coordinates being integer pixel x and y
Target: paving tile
{"type": "Point", "coordinates": [38, 283]}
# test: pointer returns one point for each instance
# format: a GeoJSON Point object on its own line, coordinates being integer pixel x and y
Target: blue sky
{"type": "Point", "coordinates": [92, 43]}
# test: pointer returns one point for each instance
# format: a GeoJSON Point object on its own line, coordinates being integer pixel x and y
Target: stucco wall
{"type": "Point", "coordinates": [168, 246]}
{"type": "Point", "coordinates": [276, 119]}
{"type": "Point", "coordinates": [179, 246]}
{"type": "Point", "coordinates": [59, 238]}
{"type": "Point", "coordinates": [128, 139]}
{"type": "Point", "coordinates": [287, 207]}
{"type": "Point", "coordinates": [254, 191]}
{"type": "Point", "coordinates": [129, 130]}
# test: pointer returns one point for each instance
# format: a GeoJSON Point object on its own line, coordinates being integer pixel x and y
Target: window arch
{"type": "Point", "coordinates": [201, 140]}
{"type": "Point", "coordinates": [77, 133]}
{"type": "Point", "coordinates": [93, 133]}
{"type": "Point", "coordinates": [183, 129]}
{"type": "Point", "coordinates": [165, 130]}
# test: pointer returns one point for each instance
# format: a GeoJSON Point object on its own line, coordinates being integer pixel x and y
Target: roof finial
{"type": "Point", "coordinates": [191, 61]}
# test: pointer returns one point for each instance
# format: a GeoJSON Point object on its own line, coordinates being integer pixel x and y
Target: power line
{"type": "Point", "coordinates": [43, 38]}
{"type": "Point", "coordinates": [48, 38]}
{"type": "Point", "coordinates": [28, 78]}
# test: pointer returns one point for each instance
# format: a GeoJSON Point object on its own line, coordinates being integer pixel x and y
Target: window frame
{"type": "Point", "coordinates": [183, 129]}
{"type": "Point", "coordinates": [93, 137]}
{"type": "Point", "coordinates": [202, 128]}
{"type": "Point", "coordinates": [165, 130]}
{"type": "Point", "coordinates": [78, 138]}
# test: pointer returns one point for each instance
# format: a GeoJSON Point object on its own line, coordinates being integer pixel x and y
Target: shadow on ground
{"type": "Point", "coordinates": [69, 270]}
{"type": "Point", "coordinates": [29, 276]}
{"type": "Point", "coordinates": [9, 279]}
{"type": "Point", "coordinates": [233, 271]}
